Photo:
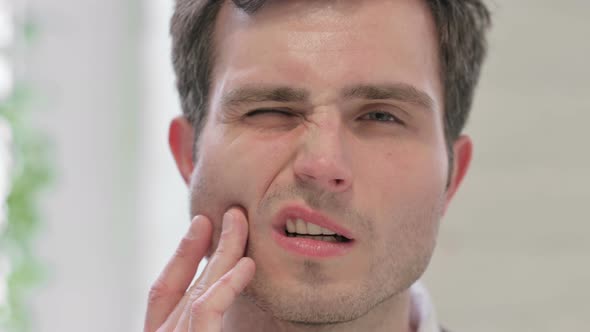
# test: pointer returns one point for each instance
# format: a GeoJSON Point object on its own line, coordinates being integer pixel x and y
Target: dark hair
{"type": "Point", "coordinates": [461, 26]}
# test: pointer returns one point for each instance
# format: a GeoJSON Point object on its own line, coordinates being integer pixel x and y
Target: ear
{"type": "Point", "coordinates": [463, 150]}
{"type": "Point", "coordinates": [180, 139]}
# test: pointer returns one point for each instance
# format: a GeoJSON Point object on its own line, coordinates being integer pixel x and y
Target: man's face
{"type": "Point", "coordinates": [351, 128]}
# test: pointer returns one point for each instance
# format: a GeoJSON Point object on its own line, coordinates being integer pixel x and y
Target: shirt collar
{"type": "Point", "coordinates": [423, 315]}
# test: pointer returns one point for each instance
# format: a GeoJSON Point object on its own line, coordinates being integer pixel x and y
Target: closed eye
{"type": "Point", "coordinates": [270, 111]}
{"type": "Point", "coordinates": [272, 119]}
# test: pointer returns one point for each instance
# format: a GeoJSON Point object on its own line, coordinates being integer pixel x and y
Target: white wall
{"type": "Point", "coordinates": [513, 253]}
{"type": "Point", "coordinates": [84, 71]}
{"type": "Point", "coordinates": [163, 209]}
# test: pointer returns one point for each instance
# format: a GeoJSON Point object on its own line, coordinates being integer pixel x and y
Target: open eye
{"type": "Point", "coordinates": [381, 116]}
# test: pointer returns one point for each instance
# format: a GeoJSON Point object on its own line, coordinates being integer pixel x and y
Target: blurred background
{"type": "Point", "coordinates": [92, 81]}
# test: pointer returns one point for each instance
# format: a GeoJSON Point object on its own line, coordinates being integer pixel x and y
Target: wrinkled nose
{"type": "Point", "coordinates": [322, 160]}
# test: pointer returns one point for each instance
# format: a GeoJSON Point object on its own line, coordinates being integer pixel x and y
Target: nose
{"type": "Point", "coordinates": [322, 160]}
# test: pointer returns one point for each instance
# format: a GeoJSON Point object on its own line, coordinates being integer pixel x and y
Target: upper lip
{"type": "Point", "coordinates": [308, 215]}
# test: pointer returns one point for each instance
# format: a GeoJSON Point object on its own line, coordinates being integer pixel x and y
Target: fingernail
{"type": "Point", "coordinates": [228, 221]}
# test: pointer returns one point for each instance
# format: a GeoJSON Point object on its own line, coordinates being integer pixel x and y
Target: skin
{"type": "Point", "coordinates": [377, 167]}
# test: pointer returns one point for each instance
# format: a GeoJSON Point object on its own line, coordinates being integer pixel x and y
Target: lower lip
{"type": "Point", "coordinates": [310, 247]}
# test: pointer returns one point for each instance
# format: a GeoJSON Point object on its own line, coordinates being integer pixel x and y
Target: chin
{"type": "Point", "coordinates": [302, 303]}
{"type": "Point", "coordinates": [310, 308]}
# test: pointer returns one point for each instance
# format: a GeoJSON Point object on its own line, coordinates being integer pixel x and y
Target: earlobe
{"type": "Point", "coordinates": [180, 139]}
{"type": "Point", "coordinates": [463, 150]}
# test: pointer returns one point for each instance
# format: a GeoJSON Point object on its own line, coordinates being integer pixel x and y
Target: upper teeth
{"type": "Point", "coordinates": [301, 227]}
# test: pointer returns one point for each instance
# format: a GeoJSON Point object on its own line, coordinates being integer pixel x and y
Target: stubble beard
{"type": "Point", "coordinates": [394, 267]}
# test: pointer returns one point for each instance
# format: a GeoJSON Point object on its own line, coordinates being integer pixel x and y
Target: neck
{"type": "Point", "coordinates": [391, 315]}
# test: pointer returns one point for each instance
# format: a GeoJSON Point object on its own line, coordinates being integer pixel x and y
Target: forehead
{"type": "Point", "coordinates": [324, 45]}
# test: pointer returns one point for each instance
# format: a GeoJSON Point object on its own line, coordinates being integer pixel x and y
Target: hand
{"type": "Point", "coordinates": [172, 308]}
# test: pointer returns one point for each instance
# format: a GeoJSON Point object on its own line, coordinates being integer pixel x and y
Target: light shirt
{"type": "Point", "coordinates": [422, 312]}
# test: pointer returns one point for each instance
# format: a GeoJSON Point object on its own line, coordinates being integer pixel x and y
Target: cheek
{"type": "Point", "coordinates": [215, 182]}
{"type": "Point", "coordinates": [406, 172]}
{"type": "Point", "coordinates": [408, 205]}
{"type": "Point", "coordinates": [234, 169]}
{"type": "Point", "coordinates": [406, 188]}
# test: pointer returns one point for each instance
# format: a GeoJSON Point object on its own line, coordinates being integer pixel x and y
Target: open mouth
{"type": "Point", "coordinates": [320, 237]}
{"type": "Point", "coordinates": [304, 232]}
{"type": "Point", "coordinates": [302, 229]}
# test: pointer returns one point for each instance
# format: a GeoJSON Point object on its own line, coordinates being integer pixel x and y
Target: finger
{"type": "Point", "coordinates": [229, 250]}
{"type": "Point", "coordinates": [207, 312]}
{"type": "Point", "coordinates": [172, 283]}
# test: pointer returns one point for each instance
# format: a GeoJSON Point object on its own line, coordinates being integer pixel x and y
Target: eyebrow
{"type": "Point", "coordinates": [264, 94]}
{"type": "Point", "coordinates": [284, 94]}
{"type": "Point", "coordinates": [396, 91]}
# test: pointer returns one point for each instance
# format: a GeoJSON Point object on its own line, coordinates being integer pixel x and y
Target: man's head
{"type": "Point", "coordinates": [460, 29]}
{"type": "Point", "coordinates": [346, 109]}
